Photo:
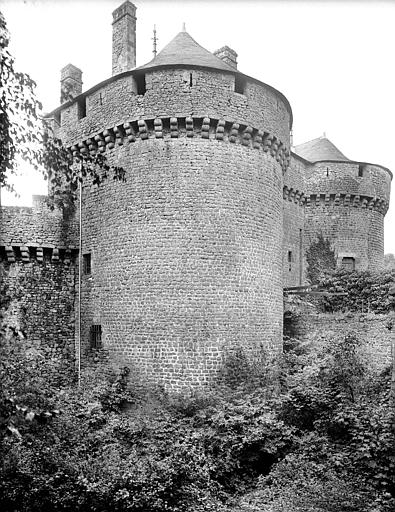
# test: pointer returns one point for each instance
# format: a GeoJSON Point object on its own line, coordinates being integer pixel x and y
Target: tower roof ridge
{"type": "Point", "coordinates": [319, 149]}
{"type": "Point", "coordinates": [184, 50]}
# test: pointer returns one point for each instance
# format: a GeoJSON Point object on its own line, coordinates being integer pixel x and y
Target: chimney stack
{"type": "Point", "coordinates": [227, 55]}
{"type": "Point", "coordinates": [124, 38]}
{"type": "Point", "coordinates": [70, 83]}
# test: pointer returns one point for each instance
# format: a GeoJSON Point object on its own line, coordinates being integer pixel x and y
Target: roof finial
{"type": "Point", "coordinates": [155, 40]}
{"type": "Point", "coordinates": [324, 135]}
{"type": "Point", "coordinates": [183, 27]}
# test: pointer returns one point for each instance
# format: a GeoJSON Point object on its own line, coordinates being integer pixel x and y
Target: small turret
{"type": "Point", "coordinates": [124, 38]}
{"type": "Point", "coordinates": [227, 55]}
{"type": "Point", "coordinates": [70, 83]}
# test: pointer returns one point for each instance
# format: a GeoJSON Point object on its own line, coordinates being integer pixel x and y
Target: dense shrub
{"type": "Point", "coordinates": [321, 443]}
{"type": "Point", "coordinates": [366, 291]}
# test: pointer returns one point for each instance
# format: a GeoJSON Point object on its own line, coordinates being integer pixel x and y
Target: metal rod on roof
{"type": "Point", "coordinates": [155, 40]}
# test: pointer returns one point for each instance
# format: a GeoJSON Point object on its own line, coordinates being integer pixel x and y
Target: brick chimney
{"type": "Point", "coordinates": [227, 55]}
{"type": "Point", "coordinates": [70, 83]}
{"type": "Point", "coordinates": [124, 38]}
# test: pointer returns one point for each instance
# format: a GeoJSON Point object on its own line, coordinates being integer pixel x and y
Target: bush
{"type": "Point", "coordinates": [366, 291]}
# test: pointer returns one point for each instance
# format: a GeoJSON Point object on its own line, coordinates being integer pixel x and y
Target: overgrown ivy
{"type": "Point", "coordinates": [365, 291]}
{"type": "Point", "coordinates": [320, 259]}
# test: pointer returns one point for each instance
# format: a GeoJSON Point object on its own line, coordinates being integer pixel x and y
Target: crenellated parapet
{"type": "Point", "coordinates": [294, 196]}
{"type": "Point", "coordinates": [347, 200]}
{"type": "Point", "coordinates": [168, 128]}
{"type": "Point", "coordinates": [40, 253]}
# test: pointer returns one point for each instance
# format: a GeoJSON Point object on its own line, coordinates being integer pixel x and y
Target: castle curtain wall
{"type": "Point", "coordinates": [294, 225]}
{"type": "Point", "coordinates": [38, 273]}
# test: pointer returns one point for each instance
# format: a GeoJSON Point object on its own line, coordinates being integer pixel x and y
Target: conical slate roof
{"type": "Point", "coordinates": [319, 149]}
{"type": "Point", "coordinates": [184, 50]}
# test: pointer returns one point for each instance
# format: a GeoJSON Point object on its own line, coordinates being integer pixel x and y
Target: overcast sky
{"type": "Point", "coordinates": [334, 61]}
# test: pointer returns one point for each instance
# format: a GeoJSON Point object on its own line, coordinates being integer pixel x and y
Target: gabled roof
{"type": "Point", "coordinates": [184, 50]}
{"type": "Point", "coordinates": [319, 149]}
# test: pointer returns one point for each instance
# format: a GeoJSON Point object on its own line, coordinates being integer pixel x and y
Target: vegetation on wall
{"type": "Point", "coordinates": [25, 134]}
{"type": "Point", "coordinates": [389, 261]}
{"type": "Point", "coordinates": [320, 259]}
{"type": "Point", "coordinates": [365, 291]}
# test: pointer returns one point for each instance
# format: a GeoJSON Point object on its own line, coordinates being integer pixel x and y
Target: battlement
{"type": "Point", "coordinates": [44, 253]}
{"type": "Point", "coordinates": [169, 128]}
{"type": "Point", "coordinates": [347, 200]}
{"type": "Point", "coordinates": [293, 195]}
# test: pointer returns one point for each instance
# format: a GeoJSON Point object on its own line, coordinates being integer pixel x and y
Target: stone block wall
{"type": "Point", "coordinates": [186, 262]}
{"type": "Point", "coordinates": [42, 299]}
{"type": "Point", "coordinates": [186, 255]}
{"type": "Point", "coordinates": [294, 224]}
{"type": "Point", "coordinates": [169, 93]}
{"type": "Point", "coordinates": [37, 226]}
{"type": "Point", "coordinates": [37, 270]}
{"type": "Point", "coordinates": [346, 202]}
{"type": "Point", "coordinates": [354, 231]}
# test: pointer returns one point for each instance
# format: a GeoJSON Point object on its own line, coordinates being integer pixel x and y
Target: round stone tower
{"type": "Point", "coordinates": [346, 202]}
{"type": "Point", "coordinates": [182, 262]}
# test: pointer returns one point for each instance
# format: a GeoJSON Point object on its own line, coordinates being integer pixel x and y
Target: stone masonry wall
{"type": "Point", "coordinates": [348, 209]}
{"type": "Point", "coordinates": [294, 211]}
{"type": "Point", "coordinates": [353, 232]}
{"type": "Point", "coordinates": [42, 303]}
{"type": "Point", "coordinates": [168, 92]}
{"type": "Point", "coordinates": [37, 270]}
{"type": "Point", "coordinates": [186, 255]}
{"type": "Point", "coordinates": [186, 262]}
{"type": "Point", "coordinates": [37, 226]}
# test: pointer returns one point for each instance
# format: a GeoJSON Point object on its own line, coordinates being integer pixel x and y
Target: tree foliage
{"type": "Point", "coordinates": [26, 134]}
{"type": "Point", "coordinates": [19, 114]}
{"type": "Point", "coordinates": [323, 443]}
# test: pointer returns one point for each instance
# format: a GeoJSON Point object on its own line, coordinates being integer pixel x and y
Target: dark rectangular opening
{"type": "Point", "coordinates": [360, 170]}
{"type": "Point", "coordinates": [81, 107]}
{"type": "Point", "coordinates": [240, 84]}
{"type": "Point", "coordinates": [140, 83]}
{"type": "Point", "coordinates": [290, 260]}
{"type": "Point", "coordinates": [86, 264]}
{"type": "Point", "coordinates": [95, 337]}
{"type": "Point", "coordinates": [348, 264]}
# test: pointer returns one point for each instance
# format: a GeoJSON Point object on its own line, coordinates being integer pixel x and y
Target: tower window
{"type": "Point", "coordinates": [81, 102]}
{"type": "Point", "coordinates": [361, 168]}
{"type": "Point", "coordinates": [86, 264]}
{"type": "Point", "coordinates": [140, 83]}
{"type": "Point", "coordinates": [348, 264]}
{"type": "Point", "coordinates": [240, 84]}
{"type": "Point", "coordinates": [290, 260]}
{"type": "Point", "coordinates": [95, 336]}
{"type": "Point", "coordinates": [190, 80]}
